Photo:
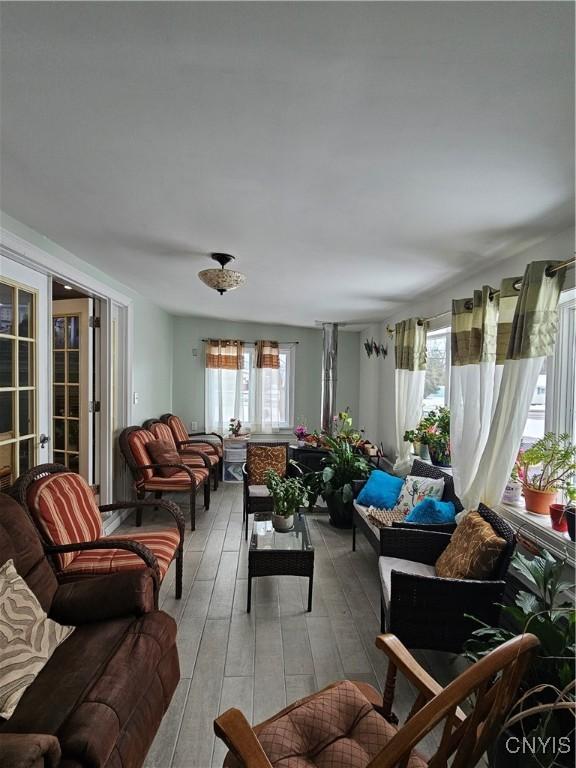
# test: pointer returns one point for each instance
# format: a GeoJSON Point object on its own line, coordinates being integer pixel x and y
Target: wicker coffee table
{"type": "Point", "coordinates": [280, 554]}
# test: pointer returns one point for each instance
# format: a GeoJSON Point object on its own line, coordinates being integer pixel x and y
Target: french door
{"type": "Point", "coordinates": [24, 344]}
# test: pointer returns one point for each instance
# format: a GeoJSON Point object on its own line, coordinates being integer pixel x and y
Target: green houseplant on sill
{"type": "Point", "coordinates": [546, 707]}
{"type": "Point", "coordinates": [547, 467]}
{"type": "Point", "coordinates": [288, 495]}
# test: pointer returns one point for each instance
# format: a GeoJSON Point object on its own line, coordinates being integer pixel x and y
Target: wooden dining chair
{"type": "Point", "coordinates": [350, 725]}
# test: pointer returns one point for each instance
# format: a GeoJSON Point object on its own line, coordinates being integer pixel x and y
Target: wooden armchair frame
{"type": "Point", "coordinates": [20, 493]}
{"type": "Point", "coordinates": [492, 682]}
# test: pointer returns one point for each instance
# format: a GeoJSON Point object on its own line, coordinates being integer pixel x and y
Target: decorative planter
{"type": "Point", "coordinates": [301, 443]}
{"type": "Point", "coordinates": [512, 492]}
{"type": "Point", "coordinates": [416, 446]}
{"type": "Point", "coordinates": [558, 517]}
{"type": "Point", "coordinates": [424, 452]}
{"type": "Point", "coordinates": [282, 524]}
{"type": "Point", "coordinates": [571, 522]}
{"type": "Point", "coordinates": [340, 511]}
{"type": "Point", "coordinates": [439, 461]}
{"type": "Point", "coordinates": [538, 501]}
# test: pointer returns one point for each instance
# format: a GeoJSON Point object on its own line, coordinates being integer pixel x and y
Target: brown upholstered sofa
{"type": "Point", "coordinates": [99, 700]}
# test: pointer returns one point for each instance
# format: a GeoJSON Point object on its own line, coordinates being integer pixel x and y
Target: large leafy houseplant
{"type": "Point", "coordinates": [546, 706]}
{"type": "Point", "coordinates": [343, 465]}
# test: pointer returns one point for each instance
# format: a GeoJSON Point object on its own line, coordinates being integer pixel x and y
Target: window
{"type": "Point", "coordinates": [437, 382]}
{"type": "Point", "coordinates": [552, 406]}
{"type": "Point", "coordinates": [261, 398]}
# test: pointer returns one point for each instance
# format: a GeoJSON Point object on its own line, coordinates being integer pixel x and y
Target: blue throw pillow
{"type": "Point", "coordinates": [381, 490]}
{"type": "Point", "coordinates": [432, 511]}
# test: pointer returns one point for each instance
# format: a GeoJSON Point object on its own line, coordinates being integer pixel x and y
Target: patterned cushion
{"type": "Point", "coordinates": [336, 728]}
{"type": "Point", "coordinates": [65, 510]}
{"type": "Point", "coordinates": [28, 638]}
{"type": "Point", "coordinates": [261, 458]}
{"type": "Point", "coordinates": [178, 482]}
{"type": "Point", "coordinates": [415, 489]}
{"type": "Point", "coordinates": [473, 552]}
{"type": "Point", "coordinates": [98, 561]}
{"type": "Point", "coordinates": [138, 440]}
{"type": "Point", "coordinates": [162, 452]}
{"type": "Point", "coordinates": [163, 432]}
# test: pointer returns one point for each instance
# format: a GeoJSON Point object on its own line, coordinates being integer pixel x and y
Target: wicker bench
{"type": "Point", "coordinates": [362, 522]}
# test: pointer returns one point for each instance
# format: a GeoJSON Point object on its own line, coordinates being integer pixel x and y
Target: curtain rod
{"type": "Point", "coordinates": [517, 285]}
{"type": "Point", "coordinates": [251, 342]}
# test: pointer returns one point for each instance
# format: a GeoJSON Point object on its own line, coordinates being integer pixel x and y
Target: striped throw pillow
{"type": "Point", "coordinates": [28, 638]}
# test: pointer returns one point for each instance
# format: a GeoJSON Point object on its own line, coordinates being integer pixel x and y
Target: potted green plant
{"type": "Point", "coordinates": [547, 466]}
{"type": "Point", "coordinates": [411, 436]}
{"type": "Point", "coordinates": [343, 464]}
{"type": "Point", "coordinates": [546, 706]}
{"type": "Point", "coordinates": [288, 495]}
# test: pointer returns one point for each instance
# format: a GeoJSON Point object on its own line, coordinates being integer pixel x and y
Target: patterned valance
{"type": "Point", "coordinates": [536, 317]}
{"type": "Point", "coordinates": [267, 354]}
{"type": "Point", "coordinates": [224, 353]}
{"type": "Point", "coordinates": [410, 344]}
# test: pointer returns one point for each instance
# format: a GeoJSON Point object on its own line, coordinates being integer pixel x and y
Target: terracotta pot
{"type": "Point", "coordinates": [558, 517]}
{"type": "Point", "coordinates": [538, 501]}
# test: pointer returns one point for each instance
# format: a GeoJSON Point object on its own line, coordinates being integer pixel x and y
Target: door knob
{"type": "Point", "coordinates": [44, 440]}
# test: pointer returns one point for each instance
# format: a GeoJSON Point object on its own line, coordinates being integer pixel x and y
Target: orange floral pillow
{"type": "Point", "coordinates": [261, 458]}
{"type": "Point", "coordinates": [473, 551]}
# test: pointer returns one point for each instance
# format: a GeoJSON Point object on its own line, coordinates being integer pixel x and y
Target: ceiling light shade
{"type": "Point", "coordinates": [223, 279]}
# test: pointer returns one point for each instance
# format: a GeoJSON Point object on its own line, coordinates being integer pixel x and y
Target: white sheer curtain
{"type": "Point", "coordinates": [410, 374]}
{"type": "Point", "coordinates": [532, 339]}
{"type": "Point", "coordinates": [269, 400]}
{"type": "Point", "coordinates": [475, 376]}
{"type": "Point", "coordinates": [223, 400]}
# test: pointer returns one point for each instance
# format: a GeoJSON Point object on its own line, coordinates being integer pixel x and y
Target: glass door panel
{"type": "Point", "coordinates": [66, 426]}
{"type": "Point", "coordinates": [18, 385]}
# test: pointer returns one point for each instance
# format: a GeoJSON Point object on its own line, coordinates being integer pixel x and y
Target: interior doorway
{"type": "Point", "coordinates": [76, 406]}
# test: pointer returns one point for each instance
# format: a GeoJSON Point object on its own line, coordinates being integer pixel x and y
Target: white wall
{"type": "Point", "coordinates": [377, 376]}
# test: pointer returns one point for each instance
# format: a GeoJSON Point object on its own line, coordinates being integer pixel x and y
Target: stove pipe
{"type": "Point", "coordinates": [329, 368]}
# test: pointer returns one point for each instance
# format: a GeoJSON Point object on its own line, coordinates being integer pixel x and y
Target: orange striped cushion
{"type": "Point", "coordinates": [206, 448]}
{"type": "Point", "coordinates": [65, 510]}
{"type": "Point", "coordinates": [178, 428]}
{"type": "Point", "coordinates": [98, 561]}
{"type": "Point", "coordinates": [178, 482]}
{"type": "Point", "coordinates": [138, 441]}
{"type": "Point", "coordinates": [192, 460]}
{"type": "Point", "coordinates": [162, 432]}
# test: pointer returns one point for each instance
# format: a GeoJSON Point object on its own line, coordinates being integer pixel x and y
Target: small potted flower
{"type": "Point", "coordinates": [301, 432]}
{"type": "Point", "coordinates": [234, 427]}
{"type": "Point", "coordinates": [548, 467]}
{"type": "Point", "coordinates": [288, 495]}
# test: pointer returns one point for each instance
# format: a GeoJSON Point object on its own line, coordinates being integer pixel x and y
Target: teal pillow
{"type": "Point", "coordinates": [381, 490]}
{"type": "Point", "coordinates": [432, 511]}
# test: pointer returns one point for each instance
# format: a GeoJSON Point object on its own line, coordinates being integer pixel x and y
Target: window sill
{"type": "Point", "coordinates": [538, 528]}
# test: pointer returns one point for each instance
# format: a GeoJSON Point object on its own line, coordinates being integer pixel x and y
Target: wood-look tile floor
{"type": "Point", "coordinates": [261, 661]}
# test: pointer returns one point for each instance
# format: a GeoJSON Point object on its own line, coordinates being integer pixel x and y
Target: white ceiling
{"type": "Point", "coordinates": [353, 156]}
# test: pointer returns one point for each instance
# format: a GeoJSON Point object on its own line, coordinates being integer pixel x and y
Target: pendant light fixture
{"type": "Point", "coordinates": [223, 279]}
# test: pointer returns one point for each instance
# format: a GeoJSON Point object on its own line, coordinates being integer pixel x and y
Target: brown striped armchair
{"type": "Point", "coordinates": [63, 508]}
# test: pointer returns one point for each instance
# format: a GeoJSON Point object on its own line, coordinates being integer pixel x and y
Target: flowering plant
{"type": "Point", "coordinates": [301, 431]}
{"type": "Point", "coordinates": [234, 427]}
